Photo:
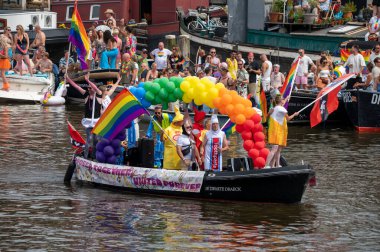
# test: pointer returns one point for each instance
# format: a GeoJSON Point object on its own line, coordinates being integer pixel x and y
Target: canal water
{"type": "Point", "coordinates": [38, 212]}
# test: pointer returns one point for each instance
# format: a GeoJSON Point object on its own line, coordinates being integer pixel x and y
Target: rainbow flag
{"type": "Point", "coordinates": [286, 90]}
{"type": "Point", "coordinates": [229, 128]}
{"type": "Point", "coordinates": [261, 100]}
{"type": "Point", "coordinates": [78, 37]}
{"type": "Point", "coordinates": [345, 53]}
{"type": "Point", "coordinates": [122, 111]}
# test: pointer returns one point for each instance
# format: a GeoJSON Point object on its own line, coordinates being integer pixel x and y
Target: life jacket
{"type": "Point", "coordinates": [164, 124]}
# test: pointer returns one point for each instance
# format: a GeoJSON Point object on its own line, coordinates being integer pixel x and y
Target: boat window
{"type": "Point", "coordinates": [94, 12]}
{"type": "Point", "coordinates": [69, 12]}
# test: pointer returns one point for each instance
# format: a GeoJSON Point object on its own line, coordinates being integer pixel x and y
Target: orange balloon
{"type": "Point", "coordinates": [240, 119]}
{"type": "Point", "coordinates": [230, 109]}
{"type": "Point", "coordinates": [223, 91]}
{"type": "Point", "coordinates": [216, 102]}
{"type": "Point", "coordinates": [249, 112]}
{"type": "Point", "coordinates": [239, 109]}
{"type": "Point", "coordinates": [226, 99]}
{"type": "Point", "coordinates": [233, 118]}
{"type": "Point", "coordinates": [247, 103]}
{"type": "Point", "coordinates": [222, 110]}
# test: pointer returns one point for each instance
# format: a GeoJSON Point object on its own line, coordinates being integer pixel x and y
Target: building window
{"type": "Point", "coordinates": [69, 12]}
{"type": "Point", "coordinates": [94, 12]}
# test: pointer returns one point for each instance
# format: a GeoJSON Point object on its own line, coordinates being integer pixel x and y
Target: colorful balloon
{"type": "Point", "coordinates": [259, 162]}
{"type": "Point", "coordinates": [240, 119]}
{"type": "Point", "coordinates": [253, 153]}
{"type": "Point", "coordinates": [248, 144]}
{"type": "Point", "coordinates": [259, 136]}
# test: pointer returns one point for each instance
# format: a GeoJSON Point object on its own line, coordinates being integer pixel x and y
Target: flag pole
{"type": "Point", "coordinates": [319, 98]}
{"type": "Point", "coordinates": [151, 117]}
{"type": "Point", "coordinates": [67, 63]}
{"type": "Point", "coordinates": [292, 84]}
{"type": "Point", "coordinates": [224, 125]}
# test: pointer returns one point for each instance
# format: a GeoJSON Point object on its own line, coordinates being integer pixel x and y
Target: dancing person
{"type": "Point", "coordinates": [21, 40]}
{"type": "Point", "coordinates": [91, 112]}
{"type": "Point", "coordinates": [108, 59]}
{"type": "Point", "coordinates": [4, 62]}
{"type": "Point", "coordinates": [278, 130]}
{"type": "Point", "coordinates": [213, 145]}
{"type": "Point", "coordinates": [161, 121]}
{"type": "Point", "coordinates": [170, 137]}
{"type": "Point", "coordinates": [186, 149]}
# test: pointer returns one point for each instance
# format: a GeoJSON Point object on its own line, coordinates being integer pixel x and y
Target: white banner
{"type": "Point", "coordinates": [136, 177]}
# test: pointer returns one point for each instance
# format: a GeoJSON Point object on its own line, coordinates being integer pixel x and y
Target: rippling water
{"type": "Point", "coordinates": [37, 211]}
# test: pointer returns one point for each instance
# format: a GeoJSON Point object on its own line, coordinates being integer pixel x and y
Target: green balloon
{"type": "Point", "coordinates": [156, 80]}
{"type": "Point", "coordinates": [172, 98]}
{"type": "Point", "coordinates": [165, 106]}
{"type": "Point", "coordinates": [157, 100]}
{"type": "Point", "coordinates": [147, 85]}
{"type": "Point", "coordinates": [178, 81]}
{"type": "Point", "coordinates": [178, 93]}
{"type": "Point", "coordinates": [149, 96]}
{"type": "Point", "coordinates": [170, 86]}
{"type": "Point", "coordinates": [163, 94]}
{"type": "Point", "coordinates": [155, 88]}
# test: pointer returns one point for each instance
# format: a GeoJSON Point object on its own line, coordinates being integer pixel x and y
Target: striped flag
{"type": "Point", "coordinates": [345, 53]}
{"type": "Point", "coordinates": [286, 90]}
{"type": "Point", "coordinates": [229, 128]}
{"type": "Point", "coordinates": [261, 101]}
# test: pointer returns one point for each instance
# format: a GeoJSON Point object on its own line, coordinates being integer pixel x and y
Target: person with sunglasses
{"type": "Point", "coordinates": [187, 150]}
{"type": "Point", "coordinates": [176, 60]}
{"type": "Point", "coordinates": [375, 53]}
{"type": "Point", "coordinates": [164, 120]}
{"type": "Point", "coordinates": [242, 80]}
{"type": "Point", "coordinates": [215, 61]}
{"type": "Point", "coordinates": [21, 40]}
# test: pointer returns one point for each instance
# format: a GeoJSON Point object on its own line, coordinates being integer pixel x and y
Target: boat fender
{"type": "Point", "coordinates": [70, 171]}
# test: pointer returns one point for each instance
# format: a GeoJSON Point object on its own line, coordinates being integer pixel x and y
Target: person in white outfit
{"type": "Point", "coordinates": [266, 70]}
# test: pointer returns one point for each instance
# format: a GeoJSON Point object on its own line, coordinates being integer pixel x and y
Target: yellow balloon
{"type": "Point", "coordinates": [200, 87]}
{"type": "Point", "coordinates": [204, 97]}
{"type": "Point", "coordinates": [198, 101]}
{"type": "Point", "coordinates": [185, 85]}
{"type": "Point", "coordinates": [219, 86]}
{"type": "Point", "coordinates": [186, 99]}
{"type": "Point", "coordinates": [190, 93]}
{"type": "Point", "coordinates": [213, 92]}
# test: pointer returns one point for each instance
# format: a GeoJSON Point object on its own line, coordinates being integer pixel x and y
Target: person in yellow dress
{"type": "Point", "coordinates": [232, 65]}
{"type": "Point", "coordinates": [170, 136]}
{"type": "Point", "coordinates": [278, 130]}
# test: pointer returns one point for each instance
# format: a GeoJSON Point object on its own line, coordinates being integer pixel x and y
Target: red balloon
{"type": "Point", "coordinates": [264, 153]}
{"type": "Point", "coordinates": [246, 135]}
{"type": "Point", "coordinates": [258, 128]}
{"type": "Point", "coordinates": [240, 128]}
{"type": "Point", "coordinates": [256, 118]}
{"type": "Point", "coordinates": [253, 153]}
{"type": "Point", "coordinates": [259, 163]}
{"type": "Point", "coordinates": [260, 145]}
{"type": "Point", "coordinates": [259, 137]}
{"type": "Point", "coordinates": [249, 125]}
{"type": "Point", "coordinates": [248, 144]}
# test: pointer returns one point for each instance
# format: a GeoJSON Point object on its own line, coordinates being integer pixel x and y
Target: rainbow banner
{"type": "Point", "coordinates": [78, 37]}
{"type": "Point", "coordinates": [122, 111]}
{"type": "Point", "coordinates": [286, 90]}
{"type": "Point", "coordinates": [261, 100]}
{"type": "Point", "coordinates": [229, 128]}
{"type": "Point", "coordinates": [345, 53]}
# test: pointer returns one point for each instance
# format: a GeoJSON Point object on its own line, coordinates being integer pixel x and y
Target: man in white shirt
{"type": "Point", "coordinates": [373, 28]}
{"type": "Point", "coordinates": [356, 64]}
{"type": "Point", "coordinates": [375, 53]}
{"type": "Point", "coordinates": [160, 56]}
{"type": "Point", "coordinates": [303, 69]}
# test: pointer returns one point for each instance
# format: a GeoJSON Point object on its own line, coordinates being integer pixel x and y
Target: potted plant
{"type": "Point", "coordinates": [299, 16]}
{"type": "Point", "coordinates": [348, 9]}
{"type": "Point", "coordinates": [291, 16]}
{"type": "Point", "coordinates": [276, 14]}
{"type": "Point", "coordinates": [312, 12]}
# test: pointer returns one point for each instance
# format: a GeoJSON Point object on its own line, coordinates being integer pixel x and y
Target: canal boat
{"type": "Point", "coordinates": [363, 109]}
{"type": "Point", "coordinates": [26, 88]}
{"type": "Point", "coordinates": [274, 185]}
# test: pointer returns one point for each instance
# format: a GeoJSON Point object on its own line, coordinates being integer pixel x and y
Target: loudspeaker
{"type": "Point", "coordinates": [146, 152]}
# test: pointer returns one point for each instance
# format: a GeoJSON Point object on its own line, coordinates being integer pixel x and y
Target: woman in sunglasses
{"type": "Point", "coordinates": [7, 36]}
{"type": "Point", "coordinates": [21, 41]}
{"type": "Point", "coordinates": [186, 148]}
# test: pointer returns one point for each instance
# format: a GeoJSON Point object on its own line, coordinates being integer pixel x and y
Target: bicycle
{"type": "Point", "coordinates": [203, 22]}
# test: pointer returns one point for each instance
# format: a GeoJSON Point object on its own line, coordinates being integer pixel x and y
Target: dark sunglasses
{"type": "Point", "coordinates": [157, 113]}
{"type": "Point", "coordinates": [189, 127]}
{"type": "Point", "coordinates": [212, 52]}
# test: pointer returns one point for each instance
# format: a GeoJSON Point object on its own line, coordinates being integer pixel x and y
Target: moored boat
{"type": "Point", "coordinates": [26, 88]}
{"type": "Point", "coordinates": [363, 109]}
{"type": "Point", "coordinates": [279, 185]}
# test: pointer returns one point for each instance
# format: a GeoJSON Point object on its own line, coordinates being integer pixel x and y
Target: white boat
{"type": "Point", "coordinates": [24, 88]}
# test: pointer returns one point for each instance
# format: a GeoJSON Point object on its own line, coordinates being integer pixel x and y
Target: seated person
{"type": "Point", "coordinates": [44, 65]}
{"type": "Point", "coordinates": [38, 54]}
{"type": "Point", "coordinates": [368, 82]}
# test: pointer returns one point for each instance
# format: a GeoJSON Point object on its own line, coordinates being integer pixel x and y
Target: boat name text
{"type": "Point", "coordinates": [223, 189]}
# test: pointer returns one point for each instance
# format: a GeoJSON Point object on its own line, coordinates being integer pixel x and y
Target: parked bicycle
{"type": "Point", "coordinates": [203, 22]}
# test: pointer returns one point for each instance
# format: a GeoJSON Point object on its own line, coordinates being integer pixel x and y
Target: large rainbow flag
{"type": "Point", "coordinates": [122, 111]}
{"type": "Point", "coordinates": [345, 53]}
{"type": "Point", "coordinates": [261, 100]}
{"type": "Point", "coordinates": [78, 37]}
{"type": "Point", "coordinates": [286, 90]}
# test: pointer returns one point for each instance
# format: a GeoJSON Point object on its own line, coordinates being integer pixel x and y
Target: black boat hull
{"type": "Point", "coordinates": [363, 109]}
{"type": "Point", "coordinates": [276, 185]}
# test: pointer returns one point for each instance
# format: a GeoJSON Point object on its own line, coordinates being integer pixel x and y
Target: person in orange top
{"type": "Point", "coordinates": [4, 62]}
